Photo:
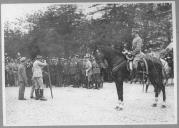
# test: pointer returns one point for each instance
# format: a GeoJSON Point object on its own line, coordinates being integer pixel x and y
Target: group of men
{"type": "Point", "coordinates": [78, 71]}
{"type": "Point", "coordinates": [11, 72]}
{"type": "Point", "coordinates": [37, 78]}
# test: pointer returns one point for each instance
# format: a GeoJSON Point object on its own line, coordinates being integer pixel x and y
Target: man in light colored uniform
{"type": "Point", "coordinates": [38, 65]}
{"type": "Point", "coordinates": [88, 67]}
{"type": "Point", "coordinates": [137, 44]}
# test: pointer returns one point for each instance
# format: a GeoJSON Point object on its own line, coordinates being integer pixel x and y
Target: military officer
{"type": "Point", "coordinates": [137, 44]}
{"type": "Point", "coordinates": [38, 66]}
{"type": "Point", "coordinates": [22, 78]}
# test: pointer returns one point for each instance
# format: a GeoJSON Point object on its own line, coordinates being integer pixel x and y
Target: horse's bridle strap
{"type": "Point", "coordinates": [115, 68]}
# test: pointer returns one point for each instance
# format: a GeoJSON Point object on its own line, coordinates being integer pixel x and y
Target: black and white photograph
{"type": "Point", "coordinates": [89, 63]}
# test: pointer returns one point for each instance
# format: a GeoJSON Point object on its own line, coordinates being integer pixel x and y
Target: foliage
{"type": "Point", "coordinates": [63, 30]}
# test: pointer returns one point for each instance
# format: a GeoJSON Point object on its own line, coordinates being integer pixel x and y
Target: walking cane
{"type": "Point", "coordinates": [50, 81]}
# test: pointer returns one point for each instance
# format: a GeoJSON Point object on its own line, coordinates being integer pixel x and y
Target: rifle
{"type": "Point", "coordinates": [49, 81]}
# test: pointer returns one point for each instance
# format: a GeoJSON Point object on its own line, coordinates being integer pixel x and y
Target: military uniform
{"type": "Point", "coordinates": [11, 73]}
{"type": "Point", "coordinates": [88, 67]}
{"type": "Point", "coordinates": [16, 65]}
{"type": "Point", "coordinates": [96, 74]}
{"type": "Point", "coordinates": [38, 78]}
{"type": "Point", "coordinates": [137, 44]}
{"type": "Point", "coordinates": [22, 78]}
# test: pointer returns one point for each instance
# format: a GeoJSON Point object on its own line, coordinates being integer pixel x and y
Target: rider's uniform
{"type": "Point", "coordinates": [137, 47]}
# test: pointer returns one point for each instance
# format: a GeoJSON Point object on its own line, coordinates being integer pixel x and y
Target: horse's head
{"type": "Point", "coordinates": [100, 58]}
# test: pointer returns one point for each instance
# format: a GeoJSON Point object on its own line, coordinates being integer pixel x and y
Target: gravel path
{"type": "Point", "coordinates": [80, 106]}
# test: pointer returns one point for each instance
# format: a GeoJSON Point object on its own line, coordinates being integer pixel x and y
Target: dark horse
{"type": "Point", "coordinates": [110, 58]}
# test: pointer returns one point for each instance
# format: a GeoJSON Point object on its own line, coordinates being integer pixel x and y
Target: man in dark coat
{"type": "Point", "coordinates": [22, 78]}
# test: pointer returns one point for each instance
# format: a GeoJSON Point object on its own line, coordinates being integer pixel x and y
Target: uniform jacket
{"type": "Point", "coordinates": [22, 77]}
{"type": "Point", "coordinates": [95, 67]}
{"type": "Point", "coordinates": [37, 68]}
{"type": "Point", "coordinates": [137, 45]}
{"type": "Point", "coordinates": [88, 67]}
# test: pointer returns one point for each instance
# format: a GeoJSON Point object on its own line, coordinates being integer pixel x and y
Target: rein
{"type": "Point", "coordinates": [117, 66]}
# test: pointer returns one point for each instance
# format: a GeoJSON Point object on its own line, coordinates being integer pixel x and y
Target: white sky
{"type": "Point", "coordinates": [12, 11]}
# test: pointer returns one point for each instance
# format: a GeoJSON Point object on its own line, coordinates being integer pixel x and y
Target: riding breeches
{"type": "Point", "coordinates": [137, 58]}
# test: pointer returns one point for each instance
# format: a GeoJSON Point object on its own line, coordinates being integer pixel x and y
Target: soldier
{"type": "Point", "coordinates": [38, 65]}
{"type": "Point", "coordinates": [137, 44]}
{"type": "Point", "coordinates": [54, 71]}
{"type": "Point", "coordinates": [22, 78]}
{"type": "Point", "coordinates": [60, 72]}
{"type": "Point", "coordinates": [7, 81]}
{"type": "Point", "coordinates": [96, 74]}
{"type": "Point", "coordinates": [11, 72]}
{"type": "Point", "coordinates": [32, 83]}
{"type": "Point", "coordinates": [88, 67]}
{"type": "Point", "coordinates": [16, 65]}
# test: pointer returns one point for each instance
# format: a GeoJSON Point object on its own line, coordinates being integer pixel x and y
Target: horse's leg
{"type": "Point", "coordinates": [164, 97]}
{"type": "Point", "coordinates": [156, 99]}
{"type": "Point", "coordinates": [147, 86]}
{"type": "Point", "coordinates": [119, 86]}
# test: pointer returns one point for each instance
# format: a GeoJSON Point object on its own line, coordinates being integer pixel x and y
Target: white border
{"type": "Point", "coordinates": [174, 49]}
{"type": "Point", "coordinates": [3, 66]}
{"type": "Point", "coordinates": [175, 56]}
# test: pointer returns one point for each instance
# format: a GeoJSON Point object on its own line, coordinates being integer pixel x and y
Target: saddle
{"type": "Point", "coordinates": [143, 63]}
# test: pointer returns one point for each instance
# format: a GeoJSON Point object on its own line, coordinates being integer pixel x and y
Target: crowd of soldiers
{"type": "Point", "coordinates": [11, 70]}
{"type": "Point", "coordinates": [75, 71]}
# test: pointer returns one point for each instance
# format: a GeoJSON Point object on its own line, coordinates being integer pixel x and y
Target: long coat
{"type": "Point", "coordinates": [22, 77]}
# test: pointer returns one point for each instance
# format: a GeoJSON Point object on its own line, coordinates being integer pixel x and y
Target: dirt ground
{"type": "Point", "coordinates": [80, 106]}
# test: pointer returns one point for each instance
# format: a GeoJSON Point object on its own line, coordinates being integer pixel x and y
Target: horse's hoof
{"type": "Point", "coordinates": [163, 106]}
{"type": "Point", "coordinates": [154, 105]}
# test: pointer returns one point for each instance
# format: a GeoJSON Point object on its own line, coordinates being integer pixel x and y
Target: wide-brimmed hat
{"type": "Point", "coordinates": [22, 59]}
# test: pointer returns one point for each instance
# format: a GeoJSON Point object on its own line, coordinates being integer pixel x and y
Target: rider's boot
{"type": "Point", "coordinates": [41, 95]}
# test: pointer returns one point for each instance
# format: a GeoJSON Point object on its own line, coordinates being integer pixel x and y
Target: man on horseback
{"type": "Point", "coordinates": [137, 44]}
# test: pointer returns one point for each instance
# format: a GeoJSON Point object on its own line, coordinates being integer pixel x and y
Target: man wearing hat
{"type": "Point", "coordinates": [137, 44]}
{"type": "Point", "coordinates": [38, 66]}
{"type": "Point", "coordinates": [22, 78]}
{"type": "Point", "coordinates": [88, 67]}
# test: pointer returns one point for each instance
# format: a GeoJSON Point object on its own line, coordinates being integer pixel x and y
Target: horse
{"type": "Point", "coordinates": [113, 59]}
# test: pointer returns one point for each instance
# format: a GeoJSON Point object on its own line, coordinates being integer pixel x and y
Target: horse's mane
{"type": "Point", "coordinates": [111, 51]}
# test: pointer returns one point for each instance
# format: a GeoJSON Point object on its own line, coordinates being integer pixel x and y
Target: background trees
{"type": "Point", "coordinates": [63, 30]}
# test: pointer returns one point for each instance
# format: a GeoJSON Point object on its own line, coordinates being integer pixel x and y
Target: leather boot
{"type": "Point", "coordinates": [37, 96]}
{"type": "Point", "coordinates": [41, 95]}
